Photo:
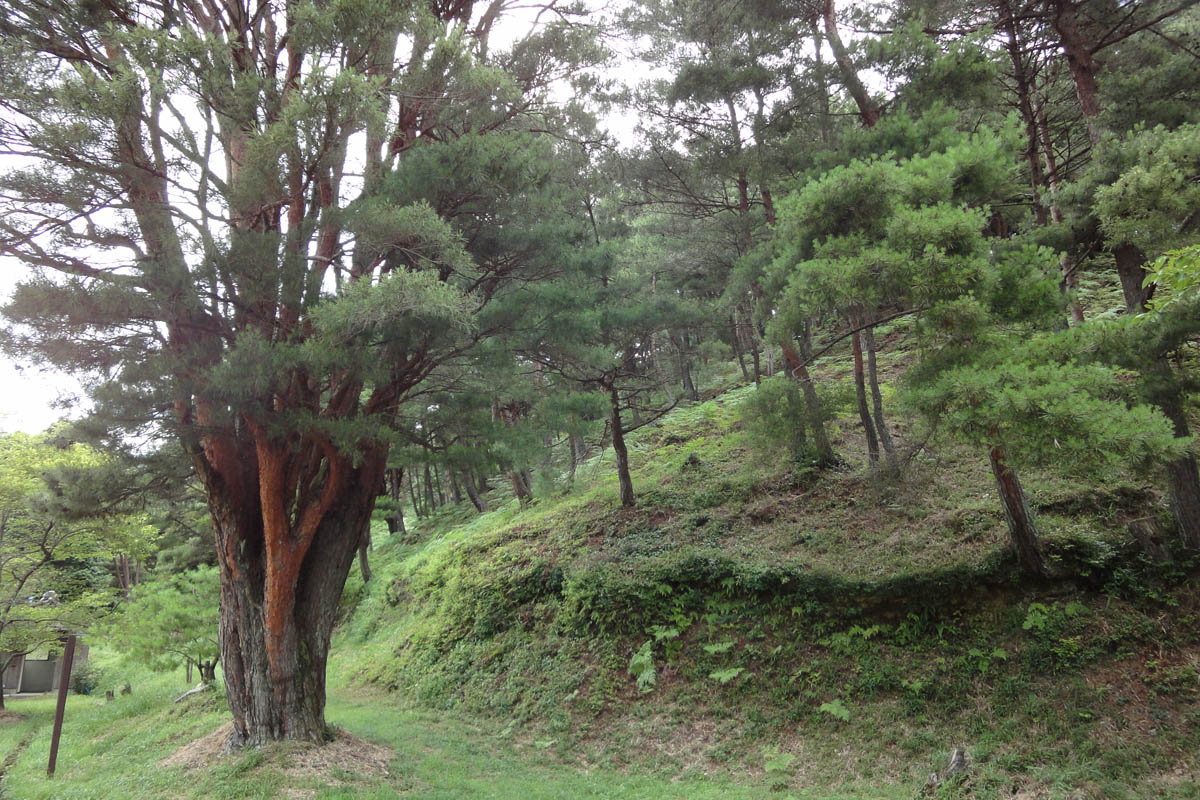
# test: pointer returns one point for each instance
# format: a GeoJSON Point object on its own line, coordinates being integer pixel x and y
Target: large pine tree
{"type": "Point", "coordinates": [222, 204]}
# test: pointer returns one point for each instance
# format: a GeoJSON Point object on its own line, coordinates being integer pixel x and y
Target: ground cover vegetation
{"type": "Point", "coordinates": [842, 419]}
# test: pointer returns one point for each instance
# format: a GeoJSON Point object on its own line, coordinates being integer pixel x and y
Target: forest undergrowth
{"type": "Point", "coordinates": [811, 629]}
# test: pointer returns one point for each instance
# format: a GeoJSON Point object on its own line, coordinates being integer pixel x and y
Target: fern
{"type": "Point", "coordinates": [641, 666]}
{"type": "Point", "coordinates": [837, 709]}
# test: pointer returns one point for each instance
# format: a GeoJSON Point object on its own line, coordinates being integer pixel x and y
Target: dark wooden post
{"type": "Point", "coordinates": [64, 683]}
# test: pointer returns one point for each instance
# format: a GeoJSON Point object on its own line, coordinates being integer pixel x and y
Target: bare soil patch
{"type": "Point", "coordinates": [201, 752]}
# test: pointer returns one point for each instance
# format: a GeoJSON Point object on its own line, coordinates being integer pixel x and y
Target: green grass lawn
{"type": "Point", "coordinates": [113, 750]}
{"type": "Point", "coordinates": [812, 635]}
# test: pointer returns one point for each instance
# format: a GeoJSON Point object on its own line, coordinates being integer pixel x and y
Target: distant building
{"type": "Point", "coordinates": [27, 675]}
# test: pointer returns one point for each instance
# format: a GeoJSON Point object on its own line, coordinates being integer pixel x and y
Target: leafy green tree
{"type": "Point", "coordinates": [1081, 419]}
{"type": "Point", "coordinates": [41, 600]}
{"type": "Point", "coordinates": [1151, 206]}
{"type": "Point", "coordinates": [596, 333]}
{"type": "Point", "coordinates": [172, 619]}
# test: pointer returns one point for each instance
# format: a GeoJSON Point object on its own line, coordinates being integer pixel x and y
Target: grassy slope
{"type": "Point", "coordinates": [809, 634]}
{"type": "Point", "coordinates": [777, 602]}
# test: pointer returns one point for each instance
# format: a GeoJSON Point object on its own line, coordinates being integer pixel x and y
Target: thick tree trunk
{"type": "Point", "coordinates": [738, 350]}
{"type": "Point", "coordinates": [412, 493]}
{"type": "Point", "coordinates": [395, 520]}
{"type": "Point", "coordinates": [281, 582]}
{"type": "Point", "coordinates": [520, 487]}
{"type": "Point", "coordinates": [685, 367]}
{"type": "Point", "coordinates": [430, 498]}
{"type": "Point", "coordinates": [573, 461]}
{"type": "Point", "coordinates": [620, 450]}
{"type": "Point", "coordinates": [1183, 477]}
{"type": "Point", "coordinates": [885, 436]}
{"type": "Point", "coordinates": [578, 448]}
{"type": "Point", "coordinates": [864, 414]}
{"type": "Point", "coordinates": [364, 560]}
{"type": "Point", "coordinates": [768, 204]}
{"type": "Point", "coordinates": [437, 486]}
{"type": "Point", "coordinates": [754, 357]}
{"type": "Point", "coordinates": [745, 321]}
{"type": "Point", "coordinates": [3, 669]}
{"type": "Point", "coordinates": [1084, 69]}
{"type": "Point", "coordinates": [1019, 515]}
{"type": "Point", "coordinates": [689, 387]}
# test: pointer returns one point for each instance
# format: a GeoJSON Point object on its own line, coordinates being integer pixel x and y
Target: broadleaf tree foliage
{"type": "Point", "coordinates": [52, 577]}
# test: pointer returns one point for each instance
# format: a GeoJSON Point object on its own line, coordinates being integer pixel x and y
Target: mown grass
{"type": "Point", "coordinates": [112, 750]}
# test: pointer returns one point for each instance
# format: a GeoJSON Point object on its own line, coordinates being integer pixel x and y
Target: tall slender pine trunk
{"type": "Point", "coordinates": [1021, 526]}
{"type": "Point", "coordinates": [864, 413]}
{"type": "Point", "coordinates": [620, 450]}
{"type": "Point", "coordinates": [737, 350]}
{"type": "Point", "coordinates": [472, 488]}
{"type": "Point", "coordinates": [1183, 476]}
{"type": "Point", "coordinates": [1130, 268]}
{"type": "Point", "coordinates": [812, 402]}
{"type": "Point", "coordinates": [1084, 70]}
{"type": "Point", "coordinates": [885, 436]}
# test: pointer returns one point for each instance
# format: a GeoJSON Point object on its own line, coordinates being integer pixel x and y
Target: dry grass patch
{"type": "Point", "coordinates": [346, 754]}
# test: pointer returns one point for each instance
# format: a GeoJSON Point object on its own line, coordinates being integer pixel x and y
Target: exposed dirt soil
{"type": "Point", "coordinates": [200, 753]}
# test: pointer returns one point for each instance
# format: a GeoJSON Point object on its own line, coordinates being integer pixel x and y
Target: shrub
{"type": "Point", "coordinates": [85, 678]}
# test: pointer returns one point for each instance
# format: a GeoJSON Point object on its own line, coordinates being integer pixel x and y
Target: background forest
{"type": "Point", "coordinates": [836, 417]}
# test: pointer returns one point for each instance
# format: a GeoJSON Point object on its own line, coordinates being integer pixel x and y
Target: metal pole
{"type": "Point", "coordinates": [63, 683]}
